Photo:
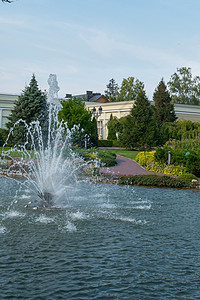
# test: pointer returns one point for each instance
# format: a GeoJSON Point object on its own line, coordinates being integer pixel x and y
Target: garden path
{"type": "Point", "coordinates": [126, 166]}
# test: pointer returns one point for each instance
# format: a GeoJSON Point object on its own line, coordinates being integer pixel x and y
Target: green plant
{"type": "Point", "coordinates": [193, 163]}
{"type": "Point", "coordinates": [105, 143]}
{"type": "Point", "coordinates": [168, 170]}
{"type": "Point", "coordinates": [108, 159]}
{"type": "Point", "coordinates": [154, 180]}
{"type": "Point", "coordinates": [145, 158]}
{"type": "Point", "coordinates": [189, 177]}
{"type": "Point", "coordinates": [161, 154]}
{"type": "Point", "coordinates": [116, 143]}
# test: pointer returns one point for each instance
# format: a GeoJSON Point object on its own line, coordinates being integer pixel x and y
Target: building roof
{"type": "Point", "coordinates": [89, 97]}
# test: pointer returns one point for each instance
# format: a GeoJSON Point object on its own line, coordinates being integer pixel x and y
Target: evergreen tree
{"type": "Point", "coordinates": [139, 127]}
{"type": "Point", "coordinates": [112, 130]}
{"type": "Point", "coordinates": [164, 110]}
{"type": "Point", "coordinates": [112, 90]}
{"type": "Point", "coordinates": [30, 106]}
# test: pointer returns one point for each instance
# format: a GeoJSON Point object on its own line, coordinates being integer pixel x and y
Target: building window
{"type": "Point", "coordinates": [100, 129]}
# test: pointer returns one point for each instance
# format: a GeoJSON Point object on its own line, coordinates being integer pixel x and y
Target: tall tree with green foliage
{"type": "Point", "coordinates": [183, 88]}
{"type": "Point", "coordinates": [30, 106]}
{"type": "Point", "coordinates": [139, 127]}
{"type": "Point", "coordinates": [112, 128]}
{"type": "Point", "coordinates": [129, 89]}
{"type": "Point", "coordinates": [164, 109]}
{"type": "Point", "coordinates": [111, 91]}
{"type": "Point", "coordinates": [74, 113]}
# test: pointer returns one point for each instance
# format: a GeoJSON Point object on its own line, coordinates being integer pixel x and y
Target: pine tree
{"type": "Point", "coordinates": [112, 90]}
{"type": "Point", "coordinates": [30, 106]}
{"type": "Point", "coordinates": [139, 127]}
{"type": "Point", "coordinates": [112, 128]}
{"type": "Point", "coordinates": [164, 109]}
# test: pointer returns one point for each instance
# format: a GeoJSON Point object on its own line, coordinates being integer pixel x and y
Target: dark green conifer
{"type": "Point", "coordinates": [164, 109]}
{"type": "Point", "coordinates": [139, 127]}
{"type": "Point", "coordinates": [30, 106]}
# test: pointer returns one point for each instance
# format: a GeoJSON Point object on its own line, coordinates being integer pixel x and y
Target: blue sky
{"type": "Point", "coordinates": [88, 42]}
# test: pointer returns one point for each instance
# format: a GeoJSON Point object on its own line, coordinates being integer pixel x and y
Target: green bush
{"type": "Point", "coordinates": [116, 143]}
{"type": "Point", "coordinates": [145, 158]}
{"type": "Point", "coordinates": [161, 154]}
{"type": "Point", "coordinates": [193, 163]}
{"type": "Point", "coordinates": [167, 169]}
{"type": "Point", "coordinates": [188, 176]}
{"type": "Point", "coordinates": [107, 158]}
{"type": "Point", "coordinates": [178, 157]}
{"type": "Point", "coordinates": [105, 143]}
{"type": "Point", "coordinates": [154, 180]}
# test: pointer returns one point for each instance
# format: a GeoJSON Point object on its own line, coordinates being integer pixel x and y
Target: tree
{"type": "Point", "coordinates": [164, 110]}
{"type": "Point", "coordinates": [112, 90]}
{"type": "Point", "coordinates": [183, 88]}
{"type": "Point", "coordinates": [75, 113]}
{"type": "Point", "coordinates": [30, 106]}
{"type": "Point", "coordinates": [112, 128]}
{"type": "Point", "coordinates": [130, 89]}
{"type": "Point", "coordinates": [139, 127]}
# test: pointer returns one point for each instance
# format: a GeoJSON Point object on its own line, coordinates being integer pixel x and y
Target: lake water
{"type": "Point", "coordinates": [107, 242]}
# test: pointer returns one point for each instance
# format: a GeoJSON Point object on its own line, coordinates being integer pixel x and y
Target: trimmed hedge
{"type": "Point", "coordinates": [105, 143]}
{"type": "Point", "coordinates": [188, 177]}
{"type": "Point", "coordinates": [109, 143]}
{"type": "Point", "coordinates": [116, 143]}
{"type": "Point", "coordinates": [156, 181]}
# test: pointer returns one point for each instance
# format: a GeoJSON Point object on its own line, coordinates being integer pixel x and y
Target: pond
{"type": "Point", "coordinates": [105, 242]}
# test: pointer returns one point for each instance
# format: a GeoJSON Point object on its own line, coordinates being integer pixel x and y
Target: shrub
{"type": "Point", "coordinates": [154, 180]}
{"type": "Point", "coordinates": [161, 154]}
{"type": "Point", "coordinates": [168, 170]}
{"type": "Point", "coordinates": [107, 158]}
{"type": "Point", "coordinates": [105, 143]}
{"type": "Point", "coordinates": [144, 158]}
{"type": "Point", "coordinates": [178, 157]}
{"type": "Point", "coordinates": [188, 176]}
{"type": "Point", "coordinates": [116, 143]}
{"type": "Point", "coordinates": [186, 145]}
{"type": "Point", "coordinates": [193, 163]}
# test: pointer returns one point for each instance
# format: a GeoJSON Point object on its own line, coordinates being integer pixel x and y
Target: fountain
{"type": "Point", "coordinates": [47, 162]}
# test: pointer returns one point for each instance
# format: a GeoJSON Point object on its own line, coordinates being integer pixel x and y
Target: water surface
{"type": "Point", "coordinates": [106, 242]}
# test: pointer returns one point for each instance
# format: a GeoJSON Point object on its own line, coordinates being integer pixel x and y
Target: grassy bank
{"type": "Point", "coordinates": [126, 153]}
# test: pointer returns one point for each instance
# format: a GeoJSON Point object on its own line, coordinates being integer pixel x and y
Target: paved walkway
{"type": "Point", "coordinates": [126, 166]}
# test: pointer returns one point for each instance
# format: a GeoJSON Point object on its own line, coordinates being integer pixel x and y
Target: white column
{"type": "Point", "coordinates": [1, 118]}
{"type": "Point", "coordinates": [104, 126]}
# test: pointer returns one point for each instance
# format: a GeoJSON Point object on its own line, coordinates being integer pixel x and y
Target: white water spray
{"type": "Point", "coordinates": [47, 162]}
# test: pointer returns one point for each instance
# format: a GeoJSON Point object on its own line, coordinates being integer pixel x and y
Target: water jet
{"type": "Point", "coordinates": [47, 162]}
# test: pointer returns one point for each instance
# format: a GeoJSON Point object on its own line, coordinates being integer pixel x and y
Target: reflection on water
{"type": "Point", "coordinates": [105, 242]}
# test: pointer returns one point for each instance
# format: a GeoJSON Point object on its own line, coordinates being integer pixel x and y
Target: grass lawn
{"type": "Point", "coordinates": [125, 153]}
{"type": "Point", "coordinates": [13, 153]}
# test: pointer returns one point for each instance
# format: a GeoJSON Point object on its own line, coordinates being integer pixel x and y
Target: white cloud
{"type": "Point", "coordinates": [9, 21]}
